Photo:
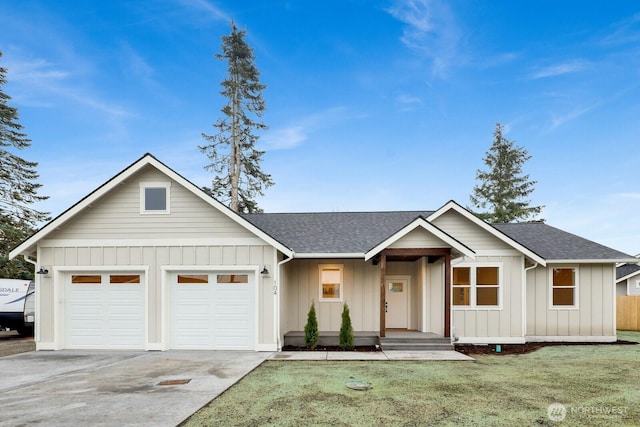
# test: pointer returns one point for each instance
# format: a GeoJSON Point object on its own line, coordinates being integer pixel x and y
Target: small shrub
{"type": "Point", "coordinates": [311, 333]}
{"type": "Point", "coordinates": [346, 330]}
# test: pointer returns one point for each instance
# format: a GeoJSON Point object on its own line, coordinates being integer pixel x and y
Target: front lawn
{"type": "Point", "coordinates": [597, 384]}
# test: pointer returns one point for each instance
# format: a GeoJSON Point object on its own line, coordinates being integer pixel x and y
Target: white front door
{"type": "Point", "coordinates": [397, 303]}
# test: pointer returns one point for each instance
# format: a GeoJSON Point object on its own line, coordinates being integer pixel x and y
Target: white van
{"type": "Point", "coordinates": [17, 305]}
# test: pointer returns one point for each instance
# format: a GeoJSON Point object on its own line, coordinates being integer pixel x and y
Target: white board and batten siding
{"type": "Point", "coordinates": [593, 319]}
{"type": "Point", "coordinates": [471, 234]}
{"type": "Point", "coordinates": [112, 235]}
{"type": "Point", "coordinates": [501, 324]}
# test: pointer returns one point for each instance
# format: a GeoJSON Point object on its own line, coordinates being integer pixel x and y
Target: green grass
{"type": "Point", "coordinates": [495, 390]}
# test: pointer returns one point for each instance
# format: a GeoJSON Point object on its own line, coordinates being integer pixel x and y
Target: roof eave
{"type": "Point", "coordinates": [592, 261]}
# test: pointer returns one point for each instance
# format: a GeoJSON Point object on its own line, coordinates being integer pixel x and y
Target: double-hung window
{"type": "Point", "coordinates": [476, 286]}
{"type": "Point", "coordinates": [331, 286]}
{"type": "Point", "coordinates": [564, 287]}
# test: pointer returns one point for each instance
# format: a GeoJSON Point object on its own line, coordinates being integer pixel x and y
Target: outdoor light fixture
{"type": "Point", "coordinates": [42, 271]}
{"type": "Point", "coordinates": [264, 271]}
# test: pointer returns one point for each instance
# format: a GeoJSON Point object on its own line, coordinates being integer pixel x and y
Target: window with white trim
{"type": "Point", "coordinates": [155, 197]}
{"type": "Point", "coordinates": [331, 286]}
{"type": "Point", "coordinates": [564, 287]}
{"type": "Point", "coordinates": [476, 286]}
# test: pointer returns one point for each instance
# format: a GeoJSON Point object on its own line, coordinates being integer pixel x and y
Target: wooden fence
{"type": "Point", "coordinates": [628, 312]}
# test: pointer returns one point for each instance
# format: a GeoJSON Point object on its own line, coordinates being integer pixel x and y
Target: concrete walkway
{"type": "Point", "coordinates": [371, 355]}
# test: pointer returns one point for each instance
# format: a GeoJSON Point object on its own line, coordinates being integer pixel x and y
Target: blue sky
{"type": "Point", "coordinates": [371, 105]}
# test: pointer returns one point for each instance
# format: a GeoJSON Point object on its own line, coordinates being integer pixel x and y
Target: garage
{"type": "Point", "coordinates": [104, 310]}
{"type": "Point", "coordinates": [212, 310]}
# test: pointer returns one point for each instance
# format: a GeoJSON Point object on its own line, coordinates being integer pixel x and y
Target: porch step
{"type": "Point", "coordinates": [416, 344]}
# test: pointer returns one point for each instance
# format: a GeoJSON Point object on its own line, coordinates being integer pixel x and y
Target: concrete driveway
{"type": "Point", "coordinates": [112, 388]}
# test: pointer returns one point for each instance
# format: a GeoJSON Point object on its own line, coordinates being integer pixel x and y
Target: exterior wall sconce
{"type": "Point", "coordinates": [42, 271]}
{"type": "Point", "coordinates": [265, 271]}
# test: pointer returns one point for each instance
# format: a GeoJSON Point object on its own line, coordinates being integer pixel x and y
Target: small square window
{"type": "Point", "coordinates": [154, 197]}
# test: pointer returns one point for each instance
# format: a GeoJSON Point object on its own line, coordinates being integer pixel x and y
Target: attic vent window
{"type": "Point", "coordinates": [155, 197]}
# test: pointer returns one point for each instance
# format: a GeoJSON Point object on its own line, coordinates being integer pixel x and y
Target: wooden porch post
{"type": "Point", "coordinates": [447, 295]}
{"type": "Point", "coordinates": [383, 294]}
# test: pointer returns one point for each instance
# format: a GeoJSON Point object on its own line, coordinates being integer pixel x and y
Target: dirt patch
{"type": "Point", "coordinates": [362, 348]}
{"type": "Point", "coordinates": [12, 343]}
{"type": "Point", "coordinates": [509, 349]}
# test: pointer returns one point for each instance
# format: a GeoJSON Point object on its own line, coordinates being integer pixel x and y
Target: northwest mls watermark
{"type": "Point", "coordinates": [558, 412]}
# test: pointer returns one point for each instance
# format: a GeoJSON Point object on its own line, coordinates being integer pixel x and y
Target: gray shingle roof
{"type": "Point", "coordinates": [333, 232]}
{"type": "Point", "coordinates": [626, 269]}
{"type": "Point", "coordinates": [554, 244]}
{"type": "Point", "coordinates": [358, 232]}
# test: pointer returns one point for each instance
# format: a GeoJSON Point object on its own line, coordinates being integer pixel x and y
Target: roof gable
{"type": "Point", "coordinates": [144, 162]}
{"type": "Point", "coordinates": [452, 206]}
{"type": "Point", "coordinates": [420, 223]}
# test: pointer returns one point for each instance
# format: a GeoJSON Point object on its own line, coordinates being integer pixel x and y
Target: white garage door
{"type": "Point", "coordinates": [213, 311]}
{"type": "Point", "coordinates": [104, 311]}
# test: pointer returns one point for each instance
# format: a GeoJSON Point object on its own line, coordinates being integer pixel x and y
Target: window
{"type": "Point", "coordinates": [233, 278]}
{"type": "Point", "coordinates": [193, 278]}
{"type": "Point", "coordinates": [84, 279]}
{"type": "Point", "coordinates": [331, 283]}
{"type": "Point", "coordinates": [564, 287]}
{"type": "Point", "coordinates": [116, 279]}
{"type": "Point", "coordinates": [487, 285]}
{"type": "Point", "coordinates": [461, 286]}
{"type": "Point", "coordinates": [476, 286]}
{"type": "Point", "coordinates": [154, 197]}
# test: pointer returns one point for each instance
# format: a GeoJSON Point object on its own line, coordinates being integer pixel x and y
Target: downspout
{"type": "Point", "coordinates": [524, 298]}
{"type": "Point", "coordinates": [278, 296]}
{"type": "Point", "coordinates": [36, 279]}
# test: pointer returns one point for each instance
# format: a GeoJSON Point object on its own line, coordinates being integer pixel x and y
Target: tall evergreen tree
{"type": "Point", "coordinates": [18, 188]}
{"type": "Point", "coordinates": [231, 151]}
{"type": "Point", "coordinates": [503, 190]}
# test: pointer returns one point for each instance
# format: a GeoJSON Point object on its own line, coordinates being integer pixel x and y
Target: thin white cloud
{"type": "Point", "coordinates": [296, 133]}
{"type": "Point", "coordinates": [431, 29]}
{"type": "Point", "coordinates": [560, 120]}
{"type": "Point", "coordinates": [136, 64]}
{"type": "Point", "coordinates": [37, 79]}
{"type": "Point", "coordinates": [624, 32]}
{"type": "Point", "coordinates": [560, 69]}
{"type": "Point", "coordinates": [408, 102]}
{"type": "Point", "coordinates": [212, 10]}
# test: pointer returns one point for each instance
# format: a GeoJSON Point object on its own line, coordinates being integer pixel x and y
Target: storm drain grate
{"type": "Point", "coordinates": [175, 382]}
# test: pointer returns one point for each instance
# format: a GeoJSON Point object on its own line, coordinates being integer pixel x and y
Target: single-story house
{"type": "Point", "coordinates": [628, 279]}
{"type": "Point", "coordinates": [150, 261]}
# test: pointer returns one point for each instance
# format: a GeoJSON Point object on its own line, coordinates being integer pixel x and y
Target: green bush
{"type": "Point", "coordinates": [311, 333]}
{"type": "Point", "coordinates": [346, 330]}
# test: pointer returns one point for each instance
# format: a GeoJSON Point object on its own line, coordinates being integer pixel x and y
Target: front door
{"type": "Point", "coordinates": [397, 303]}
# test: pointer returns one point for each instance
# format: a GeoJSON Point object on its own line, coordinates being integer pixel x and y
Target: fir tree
{"type": "Point", "coordinates": [503, 190]}
{"type": "Point", "coordinates": [346, 330]}
{"type": "Point", "coordinates": [231, 151]}
{"type": "Point", "coordinates": [18, 188]}
{"type": "Point", "coordinates": [311, 333]}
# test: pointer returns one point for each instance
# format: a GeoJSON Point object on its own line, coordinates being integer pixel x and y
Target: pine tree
{"type": "Point", "coordinates": [503, 189]}
{"type": "Point", "coordinates": [311, 333]}
{"type": "Point", "coordinates": [232, 152]}
{"type": "Point", "coordinates": [18, 188]}
{"type": "Point", "coordinates": [346, 330]}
